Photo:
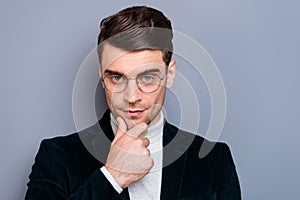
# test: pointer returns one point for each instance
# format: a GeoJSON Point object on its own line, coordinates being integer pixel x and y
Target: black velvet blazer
{"type": "Point", "coordinates": [68, 167]}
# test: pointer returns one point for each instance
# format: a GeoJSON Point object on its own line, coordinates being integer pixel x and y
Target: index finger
{"type": "Point", "coordinates": [122, 128]}
{"type": "Point", "coordinates": [139, 130]}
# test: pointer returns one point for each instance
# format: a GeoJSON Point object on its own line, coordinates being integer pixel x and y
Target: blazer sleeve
{"type": "Point", "coordinates": [48, 179]}
{"type": "Point", "coordinates": [230, 187]}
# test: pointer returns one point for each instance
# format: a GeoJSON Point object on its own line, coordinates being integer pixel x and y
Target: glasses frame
{"type": "Point", "coordinates": [136, 81]}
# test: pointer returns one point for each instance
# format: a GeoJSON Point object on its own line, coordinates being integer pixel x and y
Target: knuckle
{"type": "Point", "coordinates": [139, 142]}
{"type": "Point", "coordinates": [150, 162]}
{"type": "Point", "coordinates": [146, 151]}
{"type": "Point", "coordinates": [146, 141]}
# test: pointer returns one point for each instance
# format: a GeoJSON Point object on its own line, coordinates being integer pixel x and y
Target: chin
{"type": "Point", "coordinates": [133, 122]}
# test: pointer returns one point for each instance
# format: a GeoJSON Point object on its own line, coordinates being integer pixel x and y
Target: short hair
{"type": "Point", "coordinates": [137, 28]}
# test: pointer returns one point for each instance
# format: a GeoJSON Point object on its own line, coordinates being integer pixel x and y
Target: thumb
{"type": "Point", "coordinates": [122, 128]}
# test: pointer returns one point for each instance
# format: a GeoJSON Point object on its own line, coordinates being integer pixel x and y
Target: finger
{"type": "Point", "coordinates": [139, 130]}
{"type": "Point", "coordinates": [147, 151]}
{"type": "Point", "coordinates": [122, 128]}
{"type": "Point", "coordinates": [122, 124]}
{"type": "Point", "coordinates": [146, 141]}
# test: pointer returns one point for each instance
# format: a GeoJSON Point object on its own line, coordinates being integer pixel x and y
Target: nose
{"type": "Point", "coordinates": [132, 93]}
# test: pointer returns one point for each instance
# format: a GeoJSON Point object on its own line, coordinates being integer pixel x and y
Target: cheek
{"type": "Point", "coordinates": [113, 100]}
{"type": "Point", "coordinates": [159, 97]}
{"type": "Point", "coordinates": [157, 101]}
{"type": "Point", "coordinates": [108, 99]}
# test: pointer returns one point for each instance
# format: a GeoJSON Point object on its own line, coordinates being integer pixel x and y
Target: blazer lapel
{"type": "Point", "coordinates": [174, 159]}
{"type": "Point", "coordinates": [97, 138]}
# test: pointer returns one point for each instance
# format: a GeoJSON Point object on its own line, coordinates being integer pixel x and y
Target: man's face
{"type": "Point", "coordinates": [132, 104]}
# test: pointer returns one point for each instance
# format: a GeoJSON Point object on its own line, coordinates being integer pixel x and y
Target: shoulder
{"type": "Point", "coordinates": [62, 147]}
{"type": "Point", "coordinates": [71, 141]}
{"type": "Point", "coordinates": [61, 142]}
{"type": "Point", "coordinates": [205, 147]}
{"type": "Point", "coordinates": [196, 145]}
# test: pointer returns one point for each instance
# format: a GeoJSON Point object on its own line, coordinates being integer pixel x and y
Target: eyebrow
{"type": "Point", "coordinates": [111, 72]}
{"type": "Point", "coordinates": [149, 71]}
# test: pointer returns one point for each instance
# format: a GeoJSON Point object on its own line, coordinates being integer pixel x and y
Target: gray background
{"type": "Point", "coordinates": [254, 43]}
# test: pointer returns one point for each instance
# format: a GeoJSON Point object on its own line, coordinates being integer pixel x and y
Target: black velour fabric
{"type": "Point", "coordinates": [65, 169]}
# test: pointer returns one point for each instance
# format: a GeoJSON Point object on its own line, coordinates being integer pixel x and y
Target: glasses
{"type": "Point", "coordinates": [147, 82]}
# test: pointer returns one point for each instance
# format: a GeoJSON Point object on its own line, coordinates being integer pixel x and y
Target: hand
{"type": "Point", "coordinates": [129, 159]}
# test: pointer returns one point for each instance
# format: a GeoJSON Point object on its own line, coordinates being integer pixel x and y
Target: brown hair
{"type": "Point", "coordinates": [137, 28]}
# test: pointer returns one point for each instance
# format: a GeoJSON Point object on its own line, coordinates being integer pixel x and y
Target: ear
{"type": "Point", "coordinates": [171, 73]}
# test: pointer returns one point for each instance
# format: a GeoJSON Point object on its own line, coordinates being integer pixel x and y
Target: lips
{"type": "Point", "coordinates": [134, 113]}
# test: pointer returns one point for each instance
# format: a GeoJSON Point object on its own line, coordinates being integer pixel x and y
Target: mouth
{"type": "Point", "coordinates": [134, 113]}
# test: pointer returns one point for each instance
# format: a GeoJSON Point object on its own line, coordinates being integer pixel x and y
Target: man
{"type": "Point", "coordinates": [148, 158]}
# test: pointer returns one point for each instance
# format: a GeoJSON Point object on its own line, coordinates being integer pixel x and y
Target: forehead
{"type": "Point", "coordinates": [116, 59]}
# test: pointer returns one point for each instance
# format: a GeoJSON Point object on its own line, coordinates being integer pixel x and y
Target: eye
{"type": "Point", "coordinates": [116, 79]}
{"type": "Point", "coordinates": [148, 78]}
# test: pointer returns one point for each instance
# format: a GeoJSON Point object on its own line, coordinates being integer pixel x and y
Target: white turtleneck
{"type": "Point", "coordinates": [149, 186]}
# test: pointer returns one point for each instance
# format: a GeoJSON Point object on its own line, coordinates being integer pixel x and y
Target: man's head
{"type": "Point", "coordinates": [135, 49]}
